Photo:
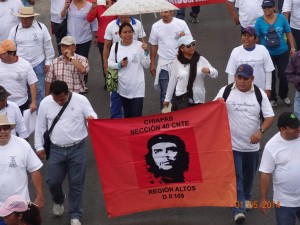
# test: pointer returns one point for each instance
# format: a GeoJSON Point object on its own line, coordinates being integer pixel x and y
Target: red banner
{"type": "Point", "coordinates": [178, 159]}
{"type": "Point", "coordinates": [190, 3]}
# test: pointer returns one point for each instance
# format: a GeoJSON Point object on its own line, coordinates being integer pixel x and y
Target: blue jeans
{"type": "Point", "coordinates": [297, 104]}
{"type": "Point", "coordinates": [132, 107]}
{"type": "Point", "coordinates": [280, 61]}
{"type": "Point", "coordinates": [69, 161]}
{"type": "Point", "coordinates": [40, 74]}
{"type": "Point", "coordinates": [287, 215]}
{"type": "Point", "coordinates": [115, 105]}
{"type": "Point", "coordinates": [163, 81]}
{"type": "Point", "coordinates": [246, 164]}
{"type": "Point", "coordinates": [194, 13]}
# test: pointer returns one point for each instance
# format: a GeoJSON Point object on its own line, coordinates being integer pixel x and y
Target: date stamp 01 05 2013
{"type": "Point", "coordinates": [255, 204]}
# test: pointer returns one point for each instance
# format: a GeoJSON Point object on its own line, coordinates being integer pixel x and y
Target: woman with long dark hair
{"type": "Point", "coordinates": [187, 76]}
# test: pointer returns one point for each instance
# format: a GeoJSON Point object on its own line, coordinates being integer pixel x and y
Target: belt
{"type": "Point", "coordinates": [69, 145]}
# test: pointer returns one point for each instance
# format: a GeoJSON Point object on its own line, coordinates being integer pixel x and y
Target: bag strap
{"type": "Point", "coordinates": [271, 25]}
{"type": "Point", "coordinates": [60, 113]}
{"type": "Point", "coordinates": [227, 91]}
{"type": "Point", "coordinates": [116, 50]}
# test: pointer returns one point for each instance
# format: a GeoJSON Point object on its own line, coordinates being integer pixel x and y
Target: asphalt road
{"type": "Point", "coordinates": [216, 36]}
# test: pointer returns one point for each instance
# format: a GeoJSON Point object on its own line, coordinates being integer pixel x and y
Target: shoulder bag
{"type": "Point", "coordinates": [112, 75]}
{"type": "Point", "coordinates": [62, 29]}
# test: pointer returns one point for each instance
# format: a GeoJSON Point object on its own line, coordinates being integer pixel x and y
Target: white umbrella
{"type": "Point", "coordinates": [134, 7]}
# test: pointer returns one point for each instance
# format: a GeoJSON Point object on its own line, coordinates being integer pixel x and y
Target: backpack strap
{"type": "Point", "coordinates": [259, 100]}
{"type": "Point", "coordinates": [18, 27]}
{"type": "Point", "coordinates": [227, 91]}
{"type": "Point", "coordinates": [116, 50]}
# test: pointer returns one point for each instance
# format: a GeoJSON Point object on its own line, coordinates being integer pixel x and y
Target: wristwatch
{"type": "Point", "coordinates": [261, 130]}
{"type": "Point", "coordinates": [72, 58]}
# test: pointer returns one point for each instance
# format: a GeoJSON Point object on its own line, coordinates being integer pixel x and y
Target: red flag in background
{"type": "Point", "coordinates": [190, 3]}
{"type": "Point", "coordinates": [178, 159]}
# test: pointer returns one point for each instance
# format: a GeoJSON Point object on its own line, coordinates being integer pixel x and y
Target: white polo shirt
{"type": "Point", "coordinates": [33, 43]}
{"type": "Point", "coordinates": [56, 7]}
{"type": "Point", "coordinates": [70, 128]}
{"type": "Point", "coordinates": [112, 30]}
{"type": "Point", "coordinates": [15, 77]}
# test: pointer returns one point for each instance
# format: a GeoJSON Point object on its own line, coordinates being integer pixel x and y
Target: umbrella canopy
{"type": "Point", "coordinates": [134, 7]}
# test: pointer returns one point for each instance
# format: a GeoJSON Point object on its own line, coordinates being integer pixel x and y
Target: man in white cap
{"type": "Point", "coordinates": [17, 158]}
{"type": "Point", "coordinates": [15, 74]}
{"type": "Point", "coordinates": [34, 45]}
{"type": "Point", "coordinates": [69, 67]}
{"type": "Point", "coordinates": [7, 19]}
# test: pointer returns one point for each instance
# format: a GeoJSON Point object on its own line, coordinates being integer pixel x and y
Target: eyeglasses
{"type": "Point", "coordinates": [191, 45]}
{"type": "Point", "coordinates": [5, 127]}
{"type": "Point", "coordinates": [267, 7]}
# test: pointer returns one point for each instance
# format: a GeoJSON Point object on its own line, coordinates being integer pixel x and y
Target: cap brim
{"type": "Point", "coordinates": [243, 74]}
{"type": "Point", "coordinates": [295, 125]}
{"type": "Point", "coordinates": [4, 212]}
{"type": "Point", "coordinates": [25, 16]}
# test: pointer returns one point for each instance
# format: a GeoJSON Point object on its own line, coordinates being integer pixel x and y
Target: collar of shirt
{"type": "Point", "coordinates": [34, 24]}
{"type": "Point", "coordinates": [235, 87]}
{"type": "Point", "coordinates": [133, 21]}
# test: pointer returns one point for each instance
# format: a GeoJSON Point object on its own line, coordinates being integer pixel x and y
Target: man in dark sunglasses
{"type": "Point", "coordinates": [246, 132]}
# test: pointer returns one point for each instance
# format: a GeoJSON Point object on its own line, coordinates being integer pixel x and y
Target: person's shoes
{"type": "Point", "coordinates": [194, 19]}
{"type": "Point", "coordinates": [75, 222]}
{"type": "Point", "coordinates": [248, 205]}
{"type": "Point", "coordinates": [58, 209]}
{"type": "Point", "coordinates": [239, 218]}
{"type": "Point", "coordinates": [286, 101]}
{"type": "Point", "coordinates": [273, 103]}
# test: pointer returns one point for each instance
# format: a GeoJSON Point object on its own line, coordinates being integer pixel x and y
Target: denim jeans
{"type": "Point", "coordinates": [246, 164]}
{"type": "Point", "coordinates": [83, 50]}
{"type": "Point", "coordinates": [69, 161]}
{"type": "Point", "coordinates": [194, 13]}
{"type": "Point", "coordinates": [297, 104]}
{"type": "Point", "coordinates": [115, 105]}
{"type": "Point", "coordinates": [280, 61]}
{"type": "Point", "coordinates": [132, 107]}
{"type": "Point", "coordinates": [287, 215]}
{"type": "Point", "coordinates": [40, 74]}
{"type": "Point", "coordinates": [163, 81]}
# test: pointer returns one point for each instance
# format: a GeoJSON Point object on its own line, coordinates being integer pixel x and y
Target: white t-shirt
{"type": "Point", "coordinates": [7, 19]}
{"type": "Point", "coordinates": [15, 77]}
{"type": "Point", "coordinates": [166, 36]}
{"type": "Point", "coordinates": [249, 11]}
{"type": "Point", "coordinates": [14, 115]}
{"type": "Point", "coordinates": [70, 128]}
{"type": "Point", "coordinates": [16, 159]}
{"type": "Point", "coordinates": [179, 78]}
{"type": "Point", "coordinates": [293, 6]}
{"type": "Point", "coordinates": [55, 10]}
{"type": "Point", "coordinates": [282, 158]}
{"type": "Point", "coordinates": [34, 43]}
{"type": "Point", "coordinates": [112, 30]}
{"type": "Point", "coordinates": [78, 26]}
{"type": "Point", "coordinates": [244, 116]}
{"type": "Point", "coordinates": [259, 59]}
{"type": "Point", "coordinates": [131, 79]}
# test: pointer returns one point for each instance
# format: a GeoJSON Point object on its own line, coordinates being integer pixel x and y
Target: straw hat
{"type": "Point", "coordinates": [26, 12]}
{"type": "Point", "coordinates": [4, 121]}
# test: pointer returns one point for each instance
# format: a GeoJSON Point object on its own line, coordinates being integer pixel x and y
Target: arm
{"type": "Point", "coordinates": [172, 84]}
{"type": "Point", "coordinates": [257, 136]}
{"type": "Point", "coordinates": [65, 9]}
{"type": "Point", "coordinates": [207, 69]}
{"type": "Point", "coordinates": [268, 84]}
{"type": "Point", "coordinates": [232, 10]}
{"type": "Point", "coordinates": [153, 54]}
{"type": "Point", "coordinates": [291, 42]}
{"type": "Point", "coordinates": [92, 15]}
{"type": "Point", "coordinates": [265, 180]}
{"type": "Point", "coordinates": [287, 15]}
{"type": "Point", "coordinates": [47, 88]}
{"type": "Point", "coordinates": [33, 91]}
{"type": "Point", "coordinates": [37, 181]}
{"type": "Point", "coordinates": [106, 48]}
{"type": "Point", "coordinates": [49, 53]}
{"type": "Point", "coordinates": [145, 56]}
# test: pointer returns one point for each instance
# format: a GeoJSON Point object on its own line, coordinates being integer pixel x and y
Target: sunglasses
{"type": "Point", "coordinates": [191, 45]}
{"type": "Point", "coordinates": [267, 7]}
{"type": "Point", "coordinates": [5, 127]}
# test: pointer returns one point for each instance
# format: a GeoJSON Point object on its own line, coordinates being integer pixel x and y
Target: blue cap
{"type": "Point", "coordinates": [249, 30]}
{"type": "Point", "coordinates": [268, 3]}
{"type": "Point", "coordinates": [244, 70]}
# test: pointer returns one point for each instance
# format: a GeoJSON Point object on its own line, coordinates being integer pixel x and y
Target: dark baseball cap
{"type": "Point", "coordinates": [249, 30]}
{"type": "Point", "coordinates": [3, 93]}
{"type": "Point", "coordinates": [244, 70]}
{"type": "Point", "coordinates": [288, 119]}
{"type": "Point", "coordinates": [268, 3]}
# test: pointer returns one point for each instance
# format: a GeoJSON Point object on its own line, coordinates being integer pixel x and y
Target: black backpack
{"type": "Point", "coordinates": [257, 94]}
{"type": "Point", "coordinates": [272, 38]}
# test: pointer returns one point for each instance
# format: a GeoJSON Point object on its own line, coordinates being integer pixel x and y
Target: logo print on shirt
{"type": "Point", "coordinates": [12, 163]}
{"type": "Point", "coordinates": [35, 37]}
